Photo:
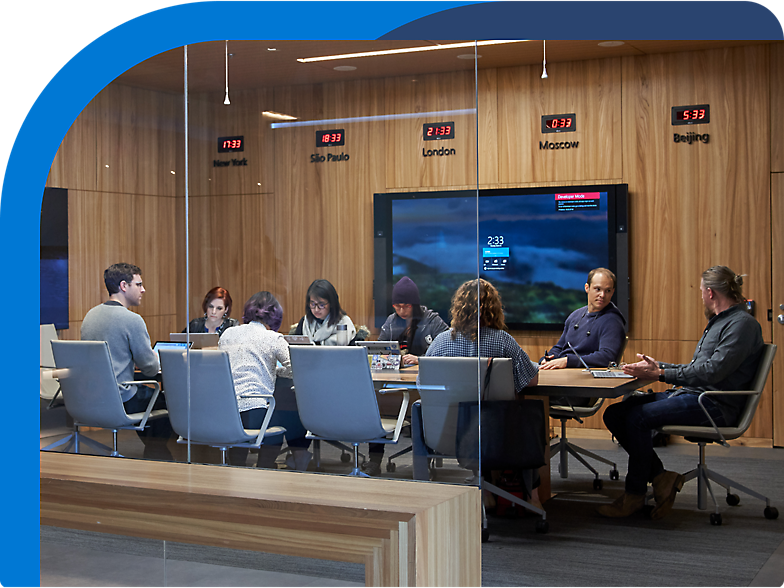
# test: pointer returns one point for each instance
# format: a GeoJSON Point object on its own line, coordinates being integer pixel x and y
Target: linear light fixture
{"type": "Point", "coordinates": [374, 118]}
{"type": "Point", "coordinates": [407, 50]}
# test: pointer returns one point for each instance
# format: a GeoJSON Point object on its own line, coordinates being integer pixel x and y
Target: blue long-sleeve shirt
{"type": "Point", "coordinates": [596, 336]}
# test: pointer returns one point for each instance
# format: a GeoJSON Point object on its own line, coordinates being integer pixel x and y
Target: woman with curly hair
{"type": "Point", "coordinates": [484, 337]}
{"type": "Point", "coordinates": [255, 348]}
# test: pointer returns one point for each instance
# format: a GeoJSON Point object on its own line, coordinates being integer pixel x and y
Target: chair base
{"type": "Point", "coordinates": [74, 439]}
{"type": "Point", "coordinates": [542, 526]}
{"type": "Point", "coordinates": [564, 447]}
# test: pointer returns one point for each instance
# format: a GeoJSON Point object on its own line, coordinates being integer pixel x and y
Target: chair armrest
{"type": "Point", "coordinates": [265, 423]}
{"type": "Point", "coordinates": [721, 393]}
{"type": "Point", "coordinates": [155, 384]}
{"type": "Point", "coordinates": [389, 390]}
{"type": "Point", "coordinates": [401, 417]}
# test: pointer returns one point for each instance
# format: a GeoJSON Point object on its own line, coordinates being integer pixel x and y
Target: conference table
{"type": "Point", "coordinates": [564, 382]}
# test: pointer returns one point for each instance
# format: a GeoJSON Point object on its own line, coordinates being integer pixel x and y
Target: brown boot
{"type": "Point", "coordinates": [624, 506]}
{"type": "Point", "coordinates": [665, 486]}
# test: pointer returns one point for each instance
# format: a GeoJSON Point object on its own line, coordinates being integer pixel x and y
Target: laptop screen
{"type": "Point", "coordinates": [169, 345]}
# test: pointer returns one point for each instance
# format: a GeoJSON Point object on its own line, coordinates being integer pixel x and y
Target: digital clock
{"type": "Point", "coordinates": [438, 131]}
{"type": "Point", "coordinates": [559, 123]}
{"type": "Point", "coordinates": [330, 138]}
{"type": "Point", "coordinates": [698, 114]}
{"type": "Point", "coordinates": [228, 144]}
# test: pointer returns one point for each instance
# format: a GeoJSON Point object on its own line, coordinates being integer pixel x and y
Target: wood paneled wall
{"type": "Point", "coordinates": [282, 220]}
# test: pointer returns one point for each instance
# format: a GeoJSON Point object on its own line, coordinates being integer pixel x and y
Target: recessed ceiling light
{"type": "Point", "coordinates": [172, 172]}
{"type": "Point", "coordinates": [611, 43]}
{"type": "Point", "coordinates": [469, 56]}
{"type": "Point", "coordinates": [271, 49]}
{"type": "Point", "coordinates": [409, 50]}
{"type": "Point", "coordinates": [344, 68]}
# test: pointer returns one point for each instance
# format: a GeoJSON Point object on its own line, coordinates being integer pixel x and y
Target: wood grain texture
{"type": "Point", "coordinates": [776, 107]}
{"type": "Point", "coordinates": [405, 533]}
{"type": "Point", "coordinates": [776, 378]}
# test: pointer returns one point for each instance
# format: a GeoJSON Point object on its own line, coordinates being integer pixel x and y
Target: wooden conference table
{"type": "Point", "coordinates": [564, 382]}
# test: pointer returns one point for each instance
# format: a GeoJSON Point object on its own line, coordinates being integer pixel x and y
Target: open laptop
{"type": "Point", "coordinates": [599, 372]}
{"type": "Point", "coordinates": [380, 347]}
{"type": "Point", "coordinates": [298, 340]}
{"type": "Point", "coordinates": [169, 345]}
{"type": "Point", "coordinates": [198, 340]}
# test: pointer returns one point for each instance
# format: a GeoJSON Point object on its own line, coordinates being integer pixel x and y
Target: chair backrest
{"type": "Point", "coordinates": [445, 382]}
{"type": "Point", "coordinates": [90, 388]}
{"type": "Point", "coordinates": [49, 386]}
{"type": "Point", "coordinates": [624, 343]}
{"type": "Point", "coordinates": [758, 384]}
{"type": "Point", "coordinates": [335, 394]}
{"type": "Point", "coordinates": [213, 416]}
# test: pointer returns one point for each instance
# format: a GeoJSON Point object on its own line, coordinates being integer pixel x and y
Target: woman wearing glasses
{"type": "Point", "coordinates": [324, 319]}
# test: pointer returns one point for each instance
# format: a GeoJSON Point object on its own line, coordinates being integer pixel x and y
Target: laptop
{"type": "Point", "coordinates": [599, 372]}
{"type": "Point", "coordinates": [169, 345]}
{"type": "Point", "coordinates": [380, 347]}
{"type": "Point", "coordinates": [198, 340]}
{"type": "Point", "coordinates": [298, 340]}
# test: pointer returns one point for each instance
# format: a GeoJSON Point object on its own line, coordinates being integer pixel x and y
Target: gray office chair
{"type": "Point", "coordinates": [89, 389]}
{"type": "Point", "coordinates": [50, 388]}
{"type": "Point", "coordinates": [209, 414]}
{"type": "Point", "coordinates": [336, 398]}
{"type": "Point", "coordinates": [563, 447]}
{"type": "Point", "coordinates": [704, 435]}
{"type": "Point", "coordinates": [445, 382]}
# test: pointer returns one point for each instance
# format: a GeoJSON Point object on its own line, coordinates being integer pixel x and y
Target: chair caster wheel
{"type": "Point", "coordinates": [345, 457]}
{"type": "Point", "coordinates": [391, 466]}
{"type": "Point", "coordinates": [715, 518]}
{"type": "Point", "coordinates": [597, 484]}
{"type": "Point", "coordinates": [614, 474]}
{"type": "Point", "coordinates": [542, 526]}
{"type": "Point", "coordinates": [771, 513]}
{"type": "Point", "coordinates": [485, 535]}
{"type": "Point", "coordinates": [733, 499]}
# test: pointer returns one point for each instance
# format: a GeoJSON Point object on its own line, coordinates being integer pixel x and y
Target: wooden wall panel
{"type": "Point", "coordinates": [590, 89]}
{"type": "Point", "coordinates": [698, 205]}
{"type": "Point", "coordinates": [406, 166]}
{"type": "Point", "coordinates": [777, 377]}
{"type": "Point", "coordinates": [74, 166]}
{"type": "Point", "coordinates": [776, 107]}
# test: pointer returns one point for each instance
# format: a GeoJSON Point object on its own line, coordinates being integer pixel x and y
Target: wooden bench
{"type": "Point", "coordinates": [406, 533]}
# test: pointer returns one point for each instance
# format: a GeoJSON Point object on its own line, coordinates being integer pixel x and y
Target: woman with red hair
{"type": "Point", "coordinates": [217, 311]}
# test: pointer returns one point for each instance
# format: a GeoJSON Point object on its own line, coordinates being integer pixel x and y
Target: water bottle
{"type": "Point", "coordinates": [342, 334]}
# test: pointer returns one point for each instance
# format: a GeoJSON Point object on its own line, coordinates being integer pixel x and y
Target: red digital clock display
{"type": "Point", "coordinates": [438, 131]}
{"type": "Point", "coordinates": [228, 144]}
{"type": "Point", "coordinates": [698, 114]}
{"type": "Point", "coordinates": [559, 123]}
{"type": "Point", "coordinates": [331, 138]}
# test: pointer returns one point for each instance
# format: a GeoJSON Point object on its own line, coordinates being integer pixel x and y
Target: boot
{"type": "Point", "coordinates": [665, 486]}
{"type": "Point", "coordinates": [624, 506]}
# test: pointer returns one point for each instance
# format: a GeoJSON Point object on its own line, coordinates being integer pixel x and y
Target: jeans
{"type": "Point", "coordinates": [633, 420]}
{"type": "Point", "coordinates": [288, 419]}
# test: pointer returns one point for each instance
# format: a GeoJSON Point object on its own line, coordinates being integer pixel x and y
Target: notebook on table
{"type": "Point", "coordinates": [198, 340]}
{"type": "Point", "coordinates": [298, 340]}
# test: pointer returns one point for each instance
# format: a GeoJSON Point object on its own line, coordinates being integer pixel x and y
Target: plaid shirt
{"type": "Point", "coordinates": [493, 343]}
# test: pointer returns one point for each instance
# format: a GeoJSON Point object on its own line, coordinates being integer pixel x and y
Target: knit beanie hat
{"type": "Point", "coordinates": [405, 292]}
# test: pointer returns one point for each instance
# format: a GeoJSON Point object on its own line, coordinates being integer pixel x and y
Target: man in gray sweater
{"type": "Point", "coordinates": [129, 344]}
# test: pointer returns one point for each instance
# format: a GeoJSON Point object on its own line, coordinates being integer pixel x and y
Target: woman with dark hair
{"type": "Point", "coordinates": [414, 326]}
{"type": "Point", "coordinates": [217, 313]}
{"type": "Point", "coordinates": [258, 354]}
{"type": "Point", "coordinates": [323, 316]}
{"type": "Point", "coordinates": [485, 336]}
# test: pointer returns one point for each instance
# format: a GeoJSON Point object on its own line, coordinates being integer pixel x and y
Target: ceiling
{"type": "Point", "coordinates": [253, 64]}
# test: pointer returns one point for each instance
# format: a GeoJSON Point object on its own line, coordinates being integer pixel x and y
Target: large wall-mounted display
{"type": "Point", "coordinates": [536, 245]}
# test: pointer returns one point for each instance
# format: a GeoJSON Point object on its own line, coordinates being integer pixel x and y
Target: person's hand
{"type": "Point", "coordinates": [409, 359]}
{"type": "Point", "coordinates": [553, 364]}
{"type": "Point", "coordinates": [647, 368]}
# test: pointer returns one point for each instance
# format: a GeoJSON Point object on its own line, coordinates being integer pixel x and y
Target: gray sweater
{"type": "Point", "coordinates": [129, 342]}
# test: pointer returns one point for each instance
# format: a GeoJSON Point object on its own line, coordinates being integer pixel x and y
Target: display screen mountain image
{"type": "Point", "coordinates": [536, 247]}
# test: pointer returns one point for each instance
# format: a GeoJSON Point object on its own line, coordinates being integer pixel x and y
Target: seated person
{"type": "Point", "coordinates": [217, 313]}
{"type": "Point", "coordinates": [413, 326]}
{"type": "Point", "coordinates": [129, 344]}
{"type": "Point", "coordinates": [323, 314]}
{"type": "Point", "coordinates": [596, 331]}
{"type": "Point", "coordinates": [255, 348]}
{"type": "Point", "coordinates": [726, 358]}
{"type": "Point", "coordinates": [492, 340]}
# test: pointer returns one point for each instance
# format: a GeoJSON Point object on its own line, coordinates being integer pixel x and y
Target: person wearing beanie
{"type": "Point", "coordinates": [414, 326]}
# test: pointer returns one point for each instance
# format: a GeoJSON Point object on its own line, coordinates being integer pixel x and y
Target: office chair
{"type": "Point", "coordinates": [336, 398]}
{"type": "Point", "coordinates": [704, 435]}
{"type": "Point", "coordinates": [209, 414]}
{"type": "Point", "coordinates": [89, 389]}
{"type": "Point", "coordinates": [445, 382]}
{"type": "Point", "coordinates": [563, 447]}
